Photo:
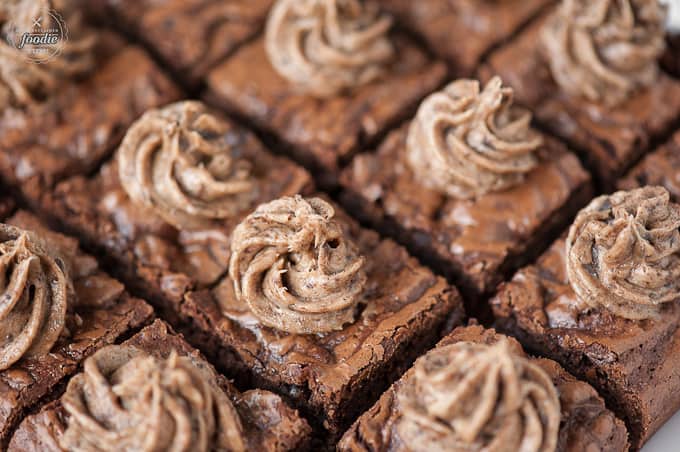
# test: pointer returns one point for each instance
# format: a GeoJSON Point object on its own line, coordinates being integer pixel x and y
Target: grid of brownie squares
{"type": "Point", "coordinates": [609, 138]}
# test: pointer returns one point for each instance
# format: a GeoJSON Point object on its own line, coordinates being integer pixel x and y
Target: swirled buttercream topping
{"type": "Point", "coordinates": [34, 288]}
{"type": "Point", "coordinates": [475, 397]}
{"type": "Point", "coordinates": [126, 399]}
{"type": "Point", "coordinates": [328, 46]}
{"type": "Point", "coordinates": [466, 142]}
{"type": "Point", "coordinates": [295, 268]}
{"type": "Point", "coordinates": [623, 252]}
{"type": "Point", "coordinates": [181, 162]}
{"type": "Point", "coordinates": [23, 81]}
{"type": "Point", "coordinates": [604, 50]}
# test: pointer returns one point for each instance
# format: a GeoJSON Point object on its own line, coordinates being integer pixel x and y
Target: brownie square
{"type": "Point", "coordinates": [155, 259]}
{"type": "Point", "coordinates": [331, 376]}
{"type": "Point", "coordinates": [445, 24]}
{"type": "Point", "coordinates": [74, 129]}
{"type": "Point", "coordinates": [322, 133]}
{"type": "Point", "coordinates": [586, 424]}
{"type": "Point", "coordinates": [609, 139]}
{"type": "Point", "coordinates": [101, 312]}
{"type": "Point", "coordinates": [189, 36]}
{"type": "Point", "coordinates": [633, 364]}
{"type": "Point", "coordinates": [661, 167]}
{"type": "Point", "coordinates": [474, 242]}
{"type": "Point", "coordinates": [268, 423]}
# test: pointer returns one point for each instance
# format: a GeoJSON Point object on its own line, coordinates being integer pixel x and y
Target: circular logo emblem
{"type": "Point", "coordinates": [41, 40]}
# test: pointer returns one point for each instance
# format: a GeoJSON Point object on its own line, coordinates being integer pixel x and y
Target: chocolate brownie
{"type": "Point", "coordinates": [318, 309]}
{"type": "Point", "coordinates": [65, 310]}
{"type": "Point", "coordinates": [341, 92]}
{"type": "Point", "coordinates": [609, 111]}
{"type": "Point", "coordinates": [253, 420]}
{"type": "Point", "coordinates": [481, 25]}
{"type": "Point", "coordinates": [159, 240]}
{"type": "Point", "coordinates": [7, 206]}
{"type": "Point", "coordinates": [605, 311]}
{"type": "Point", "coordinates": [661, 167]}
{"type": "Point", "coordinates": [568, 414]}
{"type": "Point", "coordinates": [189, 36]}
{"type": "Point", "coordinates": [54, 125]}
{"type": "Point", "coordinates": [473, 234]}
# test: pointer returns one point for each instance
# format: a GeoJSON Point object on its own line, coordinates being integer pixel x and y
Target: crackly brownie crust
{"type": "Point", "coordinates": [586, 423]}
{"type": "Point", "coordinates": [322, 133]}
{"type": "Point", "coordinates": [269, 424]}
{"type": "Point", "coordinates": [91, 324]}
{"type": "Point", "coordinates": [189, 36]}
{"type": "Point", "coordinates": [154, 259]}
{"type": "Point", "coordinates": [333, 376]}
{"type": "Point", "coordinates": [473, 242]}
{"type": "Point", "coordinates": [661, 167]}
{"type": "Point", "coordinates": [610, 140]}
{"type": "Point", "coordinates": [76, 128]}
{"type": "Point", "coordinates": [632, 363]}
{"type": "Point", "coordinates": [481, 25]}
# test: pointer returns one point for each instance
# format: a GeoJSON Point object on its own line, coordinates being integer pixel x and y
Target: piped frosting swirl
{"type": "Point", "coordinates": [181, 162]}
{"type": "Point", "coordinates": [476, 397]}
{"type": "Point", "coordinates": [465, 142]}
{"type": "Point", "coordinates": [34, 288]}
{"type": "Point", "coordinates": [293, 265]}
{"type": "Point", "coordinates": [604, 50]}
{"type": "Point", "coordinates": [126, 399]}
{"type": "Point", "coordinates": [22, 81]}
{"type": "Point", "coordinates": [623, 252]}
{"type": "Point", "coordinates": [325, 47]}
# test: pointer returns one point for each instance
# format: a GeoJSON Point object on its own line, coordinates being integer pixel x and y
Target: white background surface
{"type": "Point", "coordinates": [668, 438]}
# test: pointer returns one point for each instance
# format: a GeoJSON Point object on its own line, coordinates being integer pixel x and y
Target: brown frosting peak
{"type": "Point", "coordinates": [327, 46]}
{"type": "Point", "coordinates": [24, 81]}
{"type": "Point", "coordinates": [623, 252]}
{"type": "Point", "coordinates": [474, 397]}
{"type": "Point", "coordinates": [34, 291]}
{"type": "Point", "coordinates": [604, 50]}
{"type": "Point", "coordinates": [126, 399]}
{"type": "Point", "coordinates": [180, 161]}
{"type": "Point", "coordinates": [295, 268]}
{"type": "Point", "coordinates": [466, 142]}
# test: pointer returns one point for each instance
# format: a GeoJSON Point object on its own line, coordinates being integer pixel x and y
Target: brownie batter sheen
{"type": "Point", "coordinates": [466, 141]}
{"type": "Point", "coordinates": [327, 46]}
{"type": "Point", "coordinates": [23, 81]}
{"type": "Point", "coordinates": [623, 253]}
{"type": "Point", "coordinates": [293, 266]}
{"type": "Point", "coordinates": [34, 289]}
{"type": "Point", "coordinates": [179, 161]}
{"type": "Point", "coordinates": [126, 399]}
{"type": "Point", "coordinates": [604, 50]}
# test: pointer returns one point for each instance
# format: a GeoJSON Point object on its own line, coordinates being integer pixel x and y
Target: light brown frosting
{"type": "Point", "coordinates": [126, 399]}
{"type": "Point", "coordinates": [623, 252]}
{"type": "Point", "coordinates": [180, 162]}
{"type": "Point", "coordinates": [23, 81]}
{"type": "Point", "coordinates": [604, 50]}
{"type": "Point", "coordinates": [474, 397]}
{"type": "Point", "coordinates": [327, 46]}
{"type": "Point", "coordinates": [34, 287]}
{"type": "Point", "coordinates": [466, 142]}
{"type": "Point", "coordinates": [295, 268]}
